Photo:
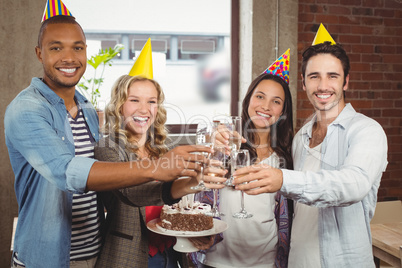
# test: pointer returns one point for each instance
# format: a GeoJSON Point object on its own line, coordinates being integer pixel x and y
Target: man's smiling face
{"type": "Point", "coordinates": [324, 82]}
{"type": "Point", "coordinates": [63, 55]}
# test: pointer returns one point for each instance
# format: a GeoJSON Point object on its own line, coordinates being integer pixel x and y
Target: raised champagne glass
{"type": "Point", "coordinates": [205, 137]}
{"type": "Point", "coordinates": [242, 159]}
{"type": "Point", "coordinates": [234, 127]}
{"type": "Point", "coordinates": [217, 161]}
{"type": "Point", "coordinates": [235, 132]}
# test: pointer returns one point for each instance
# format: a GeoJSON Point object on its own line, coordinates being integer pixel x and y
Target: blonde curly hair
{"type": "Point", "coordinates": [114, 121]}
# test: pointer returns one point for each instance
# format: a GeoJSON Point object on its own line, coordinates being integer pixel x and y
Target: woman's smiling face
{"type": "Point", "coordinates": [140, 108]}
{"type": "Point", "coordinates": [266, 104]}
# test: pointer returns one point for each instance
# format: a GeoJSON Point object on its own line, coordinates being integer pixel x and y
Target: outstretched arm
{"type": "Point", "coordinates": [358, 174]}
{"type": "Point", "coordinates": [178, 162]}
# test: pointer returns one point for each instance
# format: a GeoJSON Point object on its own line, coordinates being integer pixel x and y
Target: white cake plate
{"type": "Point", "coordinates": [183, 244]}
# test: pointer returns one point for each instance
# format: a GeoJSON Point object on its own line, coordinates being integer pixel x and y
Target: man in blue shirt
{"type": "Point", "coordinates": [41, 147]}
{"type": "Point", "coordinates": [339, 157]}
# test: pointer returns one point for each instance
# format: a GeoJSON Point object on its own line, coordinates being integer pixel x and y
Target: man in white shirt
{"type": "Point", "coordinates": [339, 157]}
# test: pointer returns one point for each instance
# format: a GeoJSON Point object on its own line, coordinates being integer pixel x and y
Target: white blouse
{"type": "Point", "coordinates": [248, 242]}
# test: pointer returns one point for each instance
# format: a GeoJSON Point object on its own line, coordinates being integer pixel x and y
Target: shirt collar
{"type": "Point", "coordinates": [307, 129]}
{"type": "Point", "coordinates": [343, 120]}
{"type": "Point", "coordinates": [51, 96]}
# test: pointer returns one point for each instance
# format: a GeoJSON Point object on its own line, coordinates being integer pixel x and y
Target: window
{"type": "Point", "coordinates": [196, 47]}
{"type": "Point", "coordinates": [158, 45]}
{"type": "Point", "coordinates": [191, 54]}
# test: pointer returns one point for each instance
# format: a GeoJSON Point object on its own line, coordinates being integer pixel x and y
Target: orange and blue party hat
{"type": "Point", "coordinates": [55, 8]}
{"type": "Point", "coordinates": [143, 64]}
{"type": "Point", "coordinates": [280, 67]}
{"type": "Point", "coordinates": [322, 35]}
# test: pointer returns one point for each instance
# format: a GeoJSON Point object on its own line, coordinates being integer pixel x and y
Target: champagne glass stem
{"type": "Point", "coordinates": [243, 158]}
{"type": "Point", "coordinates": [201, 186]}
{"type": "Point", "coordinates": [242, 201]}
{"type": "Point", "coordinates": [214, 208]}
{"type": "Point", "coordinates": [202, 175]}
{"type": "Point", "coordinates": [242, 214]}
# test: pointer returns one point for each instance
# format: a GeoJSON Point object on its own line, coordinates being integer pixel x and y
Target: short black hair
{"type": "Point", "coordinates": [335, 50]}
{"type": "Point", "coordinates": [56, 20]}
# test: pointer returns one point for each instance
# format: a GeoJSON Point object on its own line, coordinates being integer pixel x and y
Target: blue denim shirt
{"type": "Point", "coordinates": [353, 158]}
{"type": "Point", "coordinates": [41, 149]}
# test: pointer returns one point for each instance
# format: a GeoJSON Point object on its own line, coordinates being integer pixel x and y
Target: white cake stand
{"type": "Point", "coordinates": [183, 244]}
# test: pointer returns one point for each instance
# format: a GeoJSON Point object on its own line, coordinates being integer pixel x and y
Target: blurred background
{"type": "Point", "coordinates": [190, 44]}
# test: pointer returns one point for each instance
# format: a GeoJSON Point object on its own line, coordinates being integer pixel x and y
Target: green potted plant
{"type": "Point", "coordinates": [90, 87]}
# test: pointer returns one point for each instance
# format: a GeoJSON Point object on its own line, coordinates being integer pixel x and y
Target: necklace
{"type": "Point", "coordinates": [263, 152]}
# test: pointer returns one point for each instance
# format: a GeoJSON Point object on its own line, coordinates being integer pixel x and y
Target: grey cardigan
{"type": "Point", "coordinates": [125, 233]}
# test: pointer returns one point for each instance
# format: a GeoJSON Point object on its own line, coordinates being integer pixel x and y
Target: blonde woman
{"type": "Point", "coordinates": [135, 129]}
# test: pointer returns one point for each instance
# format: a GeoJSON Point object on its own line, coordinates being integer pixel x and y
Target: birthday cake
{"type": "Point", "coordinates": [186, 215]}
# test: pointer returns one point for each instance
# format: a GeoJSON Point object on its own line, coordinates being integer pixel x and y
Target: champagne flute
{"type": "Point", "coordinates": [242, 160]}
{"type": "Point", "coordinates": [204, 137]}
{"type": "Point", "coordinates": [232, 157]}
{"type": "Point", "coordinates": [217, 160]}
{"type": "Point", "coordinates": [235, 130]}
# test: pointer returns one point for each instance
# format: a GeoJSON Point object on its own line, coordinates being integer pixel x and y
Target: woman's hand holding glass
{"type": "Point", "coordinates": [214, 176]}
{"type": "Point", "coordinates": [217, 164]}
{"type": "Point", "coordinates": [204, 137]}
{"type": "Point", "coordinates": [222, 136]}
{"type": "Point", "coordinates": [229, 135]}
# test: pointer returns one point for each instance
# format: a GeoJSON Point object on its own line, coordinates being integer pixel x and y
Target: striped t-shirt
{"type": "Point", "coordinates": [85, 227]}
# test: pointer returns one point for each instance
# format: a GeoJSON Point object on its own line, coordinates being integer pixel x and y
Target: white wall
{"type": "Point", "coordinates": [150, 15]}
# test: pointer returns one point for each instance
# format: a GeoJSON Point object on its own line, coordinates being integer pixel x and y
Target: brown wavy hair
{"type": "Point", "coordinates": [281, 133]}
{"type": "Point", "coordinates": [114, 121]}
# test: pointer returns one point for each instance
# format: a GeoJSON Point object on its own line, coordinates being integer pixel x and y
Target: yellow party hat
{"type": "Point", "coordinates": [322, 35]}
{"type": "Point", "coordinates": [55, 8]}
{"type": "Point", "coordinates": [143, 64]}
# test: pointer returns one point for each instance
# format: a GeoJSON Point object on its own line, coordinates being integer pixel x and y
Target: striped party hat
{"type": "Point", "coordinates": [280, 67]}
{"type": "Point", "coordinates": [143, 64]}
{"type": "Point", "coordinates": [55, 8]}
{"type": "Point", "coordinates": [322, 35]}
